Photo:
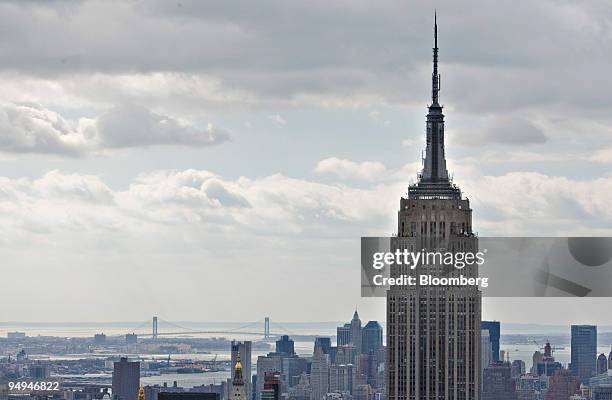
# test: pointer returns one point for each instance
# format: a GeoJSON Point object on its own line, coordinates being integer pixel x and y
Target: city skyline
{"type": "Point", "coordinates": [150, 169]}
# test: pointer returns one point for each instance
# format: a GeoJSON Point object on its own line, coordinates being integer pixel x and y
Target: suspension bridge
{"type": "Point", "coordinates": [174, 329]}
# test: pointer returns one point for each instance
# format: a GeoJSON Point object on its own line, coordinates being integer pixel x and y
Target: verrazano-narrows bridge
{"type": "Point", "coordinates": [177, 330]}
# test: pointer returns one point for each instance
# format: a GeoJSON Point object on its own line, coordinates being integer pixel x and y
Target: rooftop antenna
{"type": "Point", "coordinates": [435, 77]}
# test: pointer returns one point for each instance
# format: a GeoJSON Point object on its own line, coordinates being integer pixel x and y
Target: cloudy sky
{"type": "Point", "coordinates": [169, 158]}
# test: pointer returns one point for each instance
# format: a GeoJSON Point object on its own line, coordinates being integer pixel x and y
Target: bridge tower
{"type": "Point", "coordinates": [266, 327]}
{"type": "Point", "coordinates": [154, 328]}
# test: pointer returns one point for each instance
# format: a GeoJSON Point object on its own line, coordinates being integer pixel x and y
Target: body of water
{"type": "Point", "coordinates": [305, 348]}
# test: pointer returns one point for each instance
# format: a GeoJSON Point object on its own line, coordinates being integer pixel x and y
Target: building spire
{"type": "Point", "coordinates": [238, 377]}
{"type": "Point", "coordinates": [434, 163]}
{"type": "Point", "coordinates": [435, 77]}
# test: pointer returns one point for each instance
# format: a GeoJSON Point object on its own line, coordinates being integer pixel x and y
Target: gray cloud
{"type": "Point", "coordinates": [129, 126]}
{"type": "Point", "coordinates": [30, 128]}
{"type": "Point", "coordinates": [507, 130]}
{"type": "Point", "coordinates": [278, 51]}
{"type": "Point", "coordinates": [517, 131]}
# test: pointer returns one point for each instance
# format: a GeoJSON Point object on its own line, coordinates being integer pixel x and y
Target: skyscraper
{"type": "Point", "coordinates": [518, 368]}
{"type": "Point", "coordinates": [373, 353]}
{"type": "Point", "coordinates": [285, 346]}
{"type": "Point", "coordinates": [238, 388]}
{"type": "Point", "coordinates": [242, 351]}
{"type": "Point", "coordinates": [343, 335]}
{"type": "Point", "coordinates": [584, 351]}
{"type": "Point", "coordinates": [126, 379]}
{"type": "Point", "coordinates": [293, 367]}
{"type": "Point", "coordinates": [536, 359]}
{"type": "Point", "coordinates": [433, 332]}
{"type": "Point", "coordinates": [562, 385]}
{"type": "Point", "coordinates": [271, 363]}
{"type": "Point", "coordinates": [342, 378]}
{"type": "Point", "coordinates": [371, 337]}
{"type": "Point", "coordinates": [325, 343]}
{"type": "Point", "coordinates": [601, 392]}
{"type": "Point", "coordinates": [602, 364]}
{"type": "Point", "coordinates": [272, 387]}
{"type": "Point", "coordinates": [356, 332]}
{"type": "Point", "coordinates": [485, 351]}
{"type": "Point", "coordinates": [302, 390]}
{"type": "Point", "coordinates": [547, 365]}
{"type": "Point", "coordinates": [319, 374]}
{"type": "Point", "coordinates": [498, 383]}
{"type": "Point", "coordinates": [494, 331]}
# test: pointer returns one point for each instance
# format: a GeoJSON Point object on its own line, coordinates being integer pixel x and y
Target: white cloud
{"type": "Point", "coordinates": [30, 128]}
{"type": "Point", "coordinates": [531, 203]}
{"type": "Point", "coordinates": [373, 172]}
{"type": "Point", "coordinates": [181, 201]}
{"type": "Point", "coordinates": [521, 203]}
{"type": "Point", "coordinates": [278, 120]}
{"type": "Point", "coordinates": [346, 169]}
{"type": "Point", "coordinates": [88, 189]}
{"type": "Point", "coordinates": [230, 231]}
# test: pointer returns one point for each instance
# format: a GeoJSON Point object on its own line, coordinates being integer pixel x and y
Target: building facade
{"type": "Point", "coordinates": [319, 374]}
{"type": "Point", "coordinates": [433, 333]}
{"type": "Point", "coordinates": [562, 385]}
{"type": "Point", "coordinates": [293, 367]}
{"type": "Point", "coordinates": [325, 343]}
{"type": "Point", "coordinates": [242, 351]}
{"type": "Point", "coordinates": [493, 327]}
{"type": "Point", "coordinates": [126, 379]}
{"type": "Point", "coordinates": [356, 332]}
{"type": "Point", "coordinates": [371, 337]}
{"type": "Point", "coordinates": [272, 387]}
{"type": "Point", "coordinates": [583, 351]}
{"type": "Point", "coordinates": [343, 335]}
{"type": "Point", "coordinates": [271, 363]}
{"type": "Point", "coordinates": [486, 358]}
{"type": "Point", "coordinates": [498, 383]}
{"type": "Point", "coordinates": [602, 364]}
{"type": "Point", "coordinates": [286, 346]}
{"type": "Point", "coordinates": [238, 388]}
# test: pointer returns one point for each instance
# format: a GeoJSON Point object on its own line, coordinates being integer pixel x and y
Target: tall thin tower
{"type": "Point", "coordinates": [154, 328]}
{"type": "Point", "coordinates": [433, 332]}
{"type": "Point", "coordinates": [238, 391]}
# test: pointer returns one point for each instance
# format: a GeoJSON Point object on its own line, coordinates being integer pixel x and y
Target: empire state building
{"type": "Point", "coordinates": [433, 332]}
